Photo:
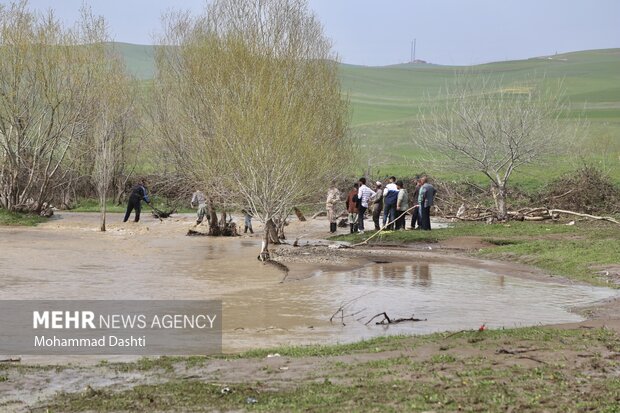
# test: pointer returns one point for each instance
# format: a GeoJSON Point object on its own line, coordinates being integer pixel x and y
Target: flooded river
{"type": "Point", "coordinates": [69, 259]}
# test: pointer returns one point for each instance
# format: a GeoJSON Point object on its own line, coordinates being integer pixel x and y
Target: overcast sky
{"type": "Point", "coordinates": [379, 32]}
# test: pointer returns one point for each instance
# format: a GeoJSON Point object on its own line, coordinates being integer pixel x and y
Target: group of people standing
{"type": "Point", "coordinates": [391, 201]}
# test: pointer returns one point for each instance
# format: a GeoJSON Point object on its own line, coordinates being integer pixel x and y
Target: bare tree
{"type": "Point", "coordinates": [263, 113]}
{"type": "Point", "coordinates": [487, 126]}
{"type": "Point", "coordinates": [46, 80]}
{"type": "Point", "coordinates": [110, 131]}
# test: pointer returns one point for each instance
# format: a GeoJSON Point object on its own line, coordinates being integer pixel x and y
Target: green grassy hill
{"type": "Point", "coordinates": [386, 100]}
{"type": "Point", "coordinates": [140, 59]}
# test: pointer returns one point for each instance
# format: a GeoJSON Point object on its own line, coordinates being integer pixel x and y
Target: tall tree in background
{"type": "Point", "coordinates": [113, 120]}
{"type": "Point", "coordinates": [485, 126]}
{"type": "Point", "coordinates": [262, 111]}
{"type": "Point", "coordinates": [113, 96]}
{"type": "Point", "coordinates": [45, 103]}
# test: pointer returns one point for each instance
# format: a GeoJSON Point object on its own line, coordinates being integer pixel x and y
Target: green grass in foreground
{"type": "Point", "coordinates": [15, 218]}
{"type": "Point", "coordinates": [557, 370]}
{"type": "Point", "coordinates": [576, 251]}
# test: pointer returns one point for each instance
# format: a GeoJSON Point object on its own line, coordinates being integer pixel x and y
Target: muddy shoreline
{"type": "Point", "coordinates": [143, 260]}
{"type": "Point", "coordinates": [68, 258]}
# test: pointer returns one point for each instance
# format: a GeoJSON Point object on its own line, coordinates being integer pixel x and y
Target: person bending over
{"type": "Point", "coordinates": [138, 193]}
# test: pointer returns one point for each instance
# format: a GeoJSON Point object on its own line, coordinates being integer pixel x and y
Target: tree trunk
{"type": "Point", "coordinates": [499, 196]}
{"type": "Point", "coordinates": [300, 215]}
{"type": "Point", "coordinates": [272, 232]}
{"type": "Point", "coordinates": [103, 212]}
{"type": "Point", "coordinates": [502, 214]}
{"type": "Point", "coordinates": [264, 251]}
{"type": "Point", "coordinates": [214, 228]}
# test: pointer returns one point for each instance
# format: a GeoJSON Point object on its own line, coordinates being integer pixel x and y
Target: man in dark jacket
{"type": "Point", "coordinates": [377, 205]}
{"type": "Point", "coordinates": [415, 214]}
{"type": "Point", "coordinates": [138, 193]}
{"type": "Point", "coordinates": [425, 201]}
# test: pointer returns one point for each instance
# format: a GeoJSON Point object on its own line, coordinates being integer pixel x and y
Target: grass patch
{"type": "Point", "coordinates": [479, 380]}
{"type": "Point", "coordinates": [19, 219]}
{"type": "Point", "coordinates": [572, 258]}
{"type": "Point", "coordinates": [500, 242]}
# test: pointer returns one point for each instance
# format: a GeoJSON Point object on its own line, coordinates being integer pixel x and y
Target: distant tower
{"type": "Point", "coordinates": [412, 57]}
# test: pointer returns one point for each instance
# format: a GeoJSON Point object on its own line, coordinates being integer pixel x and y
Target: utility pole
{"type": "Point", "coordinates": [414, 44]}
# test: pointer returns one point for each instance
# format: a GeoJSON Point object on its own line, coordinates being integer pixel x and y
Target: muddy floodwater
{"type": "Point", "coordinates": [67, 258]}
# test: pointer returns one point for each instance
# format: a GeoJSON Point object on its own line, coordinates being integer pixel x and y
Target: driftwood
{"type": "Point", "coordinates": [516, 351]}
{"type": "Point", "coordinates": [319, 214]}
{"type": "Point", "coordinates": [300, 215]}
{"type": "Point", "coordinates": [296, 242]}
{"type": "Point", "coordinates": [388, 320]}
{"type": "Point", "coordinates": [162, 214]}
{"type": "Point", "coordinates": [562, 211]}
{"type": "Point", "coordinates": [342, 308]}
{"type": "Point", "coordinates": [522, 214]}
{"type": "Point", "coordinates": [194, 233]}
{"type": "Point", "coordinates": [228, 230]}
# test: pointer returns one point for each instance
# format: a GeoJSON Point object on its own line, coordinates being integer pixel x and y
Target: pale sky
{"type": "Point", "coordinates": [379, 32]}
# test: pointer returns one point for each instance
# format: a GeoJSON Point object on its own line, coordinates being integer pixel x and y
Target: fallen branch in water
{"type": "Point", "coordinates": [194, 233]}
{"type": "Point", "coordinates": [388, 320]}
{"type": "Point", "coordinates": [343, 306]}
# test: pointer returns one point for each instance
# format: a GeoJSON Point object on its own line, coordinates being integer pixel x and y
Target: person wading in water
{"type": "Point", "coordinates": [138, 193]}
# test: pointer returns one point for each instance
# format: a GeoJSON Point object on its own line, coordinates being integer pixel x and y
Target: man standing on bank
{"type": "Point", "coordinates": [351, 204]}
{"type": "Point", "coordinates": [333, 197]}
{"type": "Point", "coordinates": [425, 201]}
{"type": "Point", "coordinates": [390, 196]}
{"type": "Point", "coordinates": [138, 193]}
{"type": "Point", "coordinates": [402, 205]}
{"type": "Point", "coordinates": [364, 194]}
{"type": "Point", "coordinates": [415, 214]}
{"type": "Point", "coordinates": [377, 208]}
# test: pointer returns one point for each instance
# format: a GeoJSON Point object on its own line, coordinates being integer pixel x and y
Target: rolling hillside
{"type": "Point", "coordinates": [386, 100]}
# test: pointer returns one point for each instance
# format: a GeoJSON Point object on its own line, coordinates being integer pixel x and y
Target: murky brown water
{"type": "Point", "coordinates": [69, 259]}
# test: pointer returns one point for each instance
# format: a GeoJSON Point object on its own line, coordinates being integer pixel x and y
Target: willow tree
{"type": "Point", "coordinates": [46, 83]}
{"type": "Point", "coordinates": [493, 128]}
{"type": "Point", "coordinates": [269, 120]}
{"type": "Point", "coordinates": [114, 119]}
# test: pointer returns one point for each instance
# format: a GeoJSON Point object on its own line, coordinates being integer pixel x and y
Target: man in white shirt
{"type": "Point", "coordinates": [363, 194]}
